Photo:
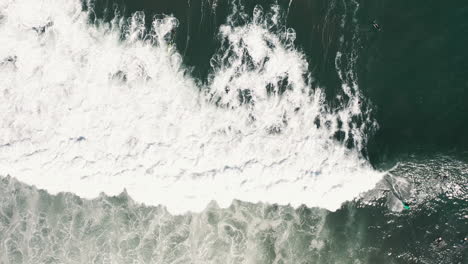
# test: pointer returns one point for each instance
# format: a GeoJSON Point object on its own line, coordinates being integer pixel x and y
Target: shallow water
{"type": "Point", "coordinates": [37, 227]}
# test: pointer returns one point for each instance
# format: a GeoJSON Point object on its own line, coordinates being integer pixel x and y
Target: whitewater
{"type": "Point", "coordinates": [85, 110]}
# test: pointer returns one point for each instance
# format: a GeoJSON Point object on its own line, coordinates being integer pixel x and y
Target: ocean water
{"type": "Point", "coordinates": [233, 132]}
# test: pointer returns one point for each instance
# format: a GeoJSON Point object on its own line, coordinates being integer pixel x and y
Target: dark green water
{"type": "Point", "coordinates": [414, 74]}
{"type": "Point", "coordinates": [413, 71]}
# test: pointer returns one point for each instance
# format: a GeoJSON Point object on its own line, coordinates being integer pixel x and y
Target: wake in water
{"type": "Point", "coordinates": [85, 112]}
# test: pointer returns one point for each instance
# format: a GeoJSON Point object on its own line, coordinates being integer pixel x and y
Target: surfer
{"type": "Point", "coordinates": [395, 192]}
{"type": "Point", "coordinates": [376, 26]}
{"type": "Point", "coordinates": [439, 242]}
{"type": "Point", "coordinates": [406, 205]}
{"type": "Point", "coordinates": [443, 177]}
{"type": "Point", "coordinates": [9, 60]}
{"type": "Point", "coordinates": [41, 29]}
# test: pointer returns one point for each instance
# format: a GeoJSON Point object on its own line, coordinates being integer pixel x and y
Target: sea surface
{"type": "Point", "coordinates": [234, 131]}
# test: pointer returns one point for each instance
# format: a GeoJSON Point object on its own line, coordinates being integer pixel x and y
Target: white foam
{"type": "Point", "coordinates": [81, 111]}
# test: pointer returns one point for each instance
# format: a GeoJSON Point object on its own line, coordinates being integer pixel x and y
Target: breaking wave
{"type": "Point", "coordinates": [87, 111]}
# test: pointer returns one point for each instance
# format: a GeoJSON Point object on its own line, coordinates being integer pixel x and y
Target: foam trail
{"type": "Point", "coordinates": [84, 112]}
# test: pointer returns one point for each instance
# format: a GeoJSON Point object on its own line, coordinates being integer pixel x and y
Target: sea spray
{"type": "Point", "coordinates": [87, 112]}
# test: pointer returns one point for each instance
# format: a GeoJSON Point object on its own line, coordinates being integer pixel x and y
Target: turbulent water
{"type": "Point", "coordinates": [86, 112]}
{"type": "Point", "coordinates": [37, 227]}
{"type": "Point", "coordinates": [211, 132]}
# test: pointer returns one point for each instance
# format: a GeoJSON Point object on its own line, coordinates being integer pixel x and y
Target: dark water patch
{"type": "Point", "coordinates": [378, 236]}
{"type": "Point", "coordinates": [415, 71]}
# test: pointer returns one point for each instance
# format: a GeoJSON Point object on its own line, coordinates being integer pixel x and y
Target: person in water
{"type": "Point", "coordinates": [406, 205]}
{"type": "Point", "coordinates": [392, 189]}
{"type": "Point", "coordinates": [376, 26]}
